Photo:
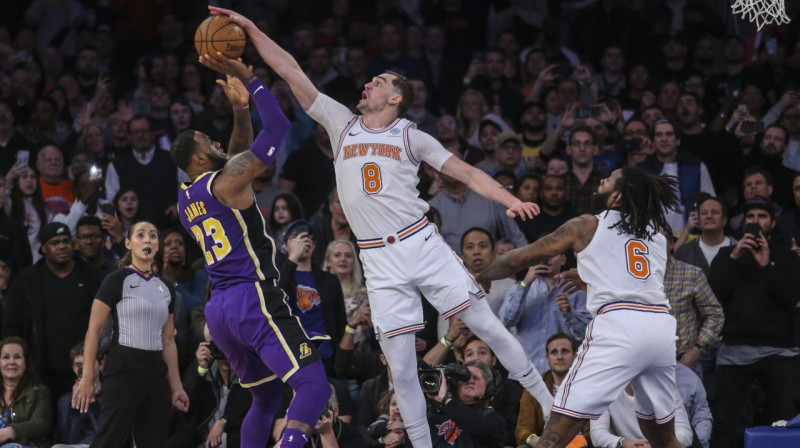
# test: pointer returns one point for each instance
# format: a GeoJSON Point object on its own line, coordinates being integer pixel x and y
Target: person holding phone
{"type": "Point", "coordinates": [87, 189]}
{"type": "Point", "coordinates": [538, 307]}
{"type": "Point", "coordinates": [757, 284]}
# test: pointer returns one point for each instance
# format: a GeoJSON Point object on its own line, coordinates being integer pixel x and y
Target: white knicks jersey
{"type": "Point", "coordinates": [376, 169]}
{"type": "Point", "coordinates": [620, 267]}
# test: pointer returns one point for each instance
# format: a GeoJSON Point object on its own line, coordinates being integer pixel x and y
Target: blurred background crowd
{"type": "Point", "coordinates": [547, 96]}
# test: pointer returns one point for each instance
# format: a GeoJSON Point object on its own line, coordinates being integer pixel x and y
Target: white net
{"type": "Point", "coordinates": [761, 12]}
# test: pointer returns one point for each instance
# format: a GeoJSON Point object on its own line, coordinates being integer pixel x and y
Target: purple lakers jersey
{"type": "Point", "coordinates": [235, 243]}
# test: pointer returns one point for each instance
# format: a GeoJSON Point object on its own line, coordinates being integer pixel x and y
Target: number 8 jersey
{"type": "Point", "coordinates": [376, 169]}
{"type": "Point", "coordinates": [234, 242]}
{"type": "Point", "coordinates": [620, 267]}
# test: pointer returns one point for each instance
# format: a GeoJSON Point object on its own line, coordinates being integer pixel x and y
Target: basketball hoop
{"type": "Point", "coordinates": [761, 12]}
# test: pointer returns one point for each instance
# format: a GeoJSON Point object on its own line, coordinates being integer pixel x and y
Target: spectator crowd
{"type": "Point", "coordinates": [546, 96]}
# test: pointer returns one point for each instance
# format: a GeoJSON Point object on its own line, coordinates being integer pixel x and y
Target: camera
{"type": "Point", "coordinates": [431, 378]}
{"type": "Point", "coordinates": [216, 352]}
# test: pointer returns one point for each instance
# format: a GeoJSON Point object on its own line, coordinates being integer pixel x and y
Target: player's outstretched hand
{"type": "Point", "coordinates": [231, 67]}
{"type": "Point", "coordinates": [234, 17]}
{"type": "Point", "coordinates": [235, 90]}
{"type": "Point", "coordinates": [570, 276]}
{"type": "Point", "coordinates": [524, 210]}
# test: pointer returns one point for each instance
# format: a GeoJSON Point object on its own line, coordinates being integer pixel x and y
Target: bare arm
{"type": "Point", "coordinates": [481, 183]}
{"type": "Point", "coordinates": [242, 136]}
{"type": "Point", "coordinates": [276, 57]}
{"type": "Point", "coordinates": [575, 234]}
{"type": "Point", "coordinates": [170, 354]}
{"type": "Point", "coordinates": [97, 321]}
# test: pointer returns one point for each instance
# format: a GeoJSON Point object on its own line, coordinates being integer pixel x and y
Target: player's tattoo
{"type": "Point", "coordinates": [574, 234]}
{"type": "Point", "coordinates": [242, 136]}
{"type": "Point", "coordinates": [241, 164]}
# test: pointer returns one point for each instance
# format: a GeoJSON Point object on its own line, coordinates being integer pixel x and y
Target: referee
{"type": "Point", "coordinates": [142, 359]}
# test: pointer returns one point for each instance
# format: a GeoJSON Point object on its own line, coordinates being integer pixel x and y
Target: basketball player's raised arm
{"type": "Point", "coordinates": [574, 234]}
{"type": "Point", "coordinates": [233, 185]}
{"type": "Point", "coordinates": [480, 182]}
{"type": "Point", "coordinates": [276, 57]}
{"type": "Point", "coordinates": [242, 135]}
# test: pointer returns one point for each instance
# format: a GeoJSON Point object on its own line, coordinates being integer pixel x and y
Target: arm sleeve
{"type": "Point", "coordinates": [110, 291]}
{"type": "Point", "coordinates": [773, 115]}
{"type": "Point", "coordinates": [276, 125]}
{"type": "Point", "coordinates": [112, 182]}
{"type": "Point", "coordinates": [701, 418]}
{"type": "Point", "coordinates": [41, 422]}
{"type": "Point", "coordinates": [601, 432]}
{"type": "Point", "coordinates": [530, 418]}
{"type": "Point", "coordinates": [578, 317]}
{"type": "Point", "coordinates": [76, 211]}
{"type": "Point", "coordinates": [782, 280]}
{"type": "Point", "coordinates": [427, 149]}
{"type": "Point", "coordinates": [709, 309]}
{"type": "Point", "coordinates": [722, 270]}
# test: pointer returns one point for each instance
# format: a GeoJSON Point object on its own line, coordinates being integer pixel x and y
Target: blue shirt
{"type": "Point", "coordinates": [537, 317]}
{"type": "Point", "coordinates": [309, 308]}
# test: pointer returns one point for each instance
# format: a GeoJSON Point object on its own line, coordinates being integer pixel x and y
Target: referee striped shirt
{"type": "Point", "coordinates": [140, 305]}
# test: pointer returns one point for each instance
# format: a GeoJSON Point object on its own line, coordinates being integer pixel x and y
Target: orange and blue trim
{"type": "Point", "coordinates": [456, 309]}
{"type": "Point", "coordinates": [652, 417]}
{"type": "Point", "coordinates": [573, 414]}
{"type": "Point", "coordinates": [405, 233]}
{"type": "Point", "coordinates": [632, 306]}
{"type": "Point", "coordinates": [403, 330]}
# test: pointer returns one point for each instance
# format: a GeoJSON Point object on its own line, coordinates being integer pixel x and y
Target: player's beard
{"type": "Point", "coordinates": [217, 162]}
{"type": "Point", "coordinates": [599, 202]}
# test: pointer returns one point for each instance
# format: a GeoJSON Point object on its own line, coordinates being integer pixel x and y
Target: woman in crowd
{"type": "Point", "coordinates": [92, 142]}
{"type": "Point", "coordinates": [341, 260]}
{"type": "Point", "coordinates": [28, 207]}
{"type": "Point", "coordinates": [142, 361]}
{"type": "Point", "coordinates": [27, 412]}
{"type": "Point", "coordinates": [471, 110]}
{"type": "Point", "coordinates": [286, 208]}
{"type": "Point", "coordinates": [176, 267]}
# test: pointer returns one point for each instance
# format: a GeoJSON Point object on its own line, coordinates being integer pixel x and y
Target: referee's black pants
{"type": "Point", "coordinates": [134, 399]}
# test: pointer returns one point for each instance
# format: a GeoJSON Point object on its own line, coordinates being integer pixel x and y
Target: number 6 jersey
{"type": "Point", "coordinates": [234, 242]}
{"type": "Point", "coordinates": [376, 169]}
{"type": "Point", "coordinates": [620, 267]}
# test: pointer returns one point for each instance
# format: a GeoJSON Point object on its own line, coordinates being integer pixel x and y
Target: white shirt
{"type": "Point", "coordinates": [711, 251]}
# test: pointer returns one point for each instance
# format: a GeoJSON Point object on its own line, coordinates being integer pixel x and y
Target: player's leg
{"type": "Point", "coordinates": [311, 394]}
{"type": "Point", "coordinates": [480, 319]}
{"type": "Point", "coordinates": [258, 421]}
{"type": "Point", "coordinates": [401, 356]}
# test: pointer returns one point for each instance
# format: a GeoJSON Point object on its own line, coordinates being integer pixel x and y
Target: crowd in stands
{"type": "Point", "coordinates": [546, 96]}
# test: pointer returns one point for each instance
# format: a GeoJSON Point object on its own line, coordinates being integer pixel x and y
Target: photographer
{"type": "Point", "coordinates": [219, 403]}
{"type": "Point", "coordinates": [459, 415]}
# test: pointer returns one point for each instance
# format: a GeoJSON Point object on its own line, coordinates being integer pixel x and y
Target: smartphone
{"type": "Point", "coordinates": [108, 209]}
{"type": "Point", "coordinates": [564, 70]}
{"type": "Point", "coordinates": [583, 112]}
{"type": "Point", "coordinates": [80, 372]}
{"type": "Point", "coordinates": [753, 229]}
{"type": "Point", "coordinates": [23, 155]}
{"type": "Point", "coordinates": [95, 173]}
{"type": "Point", "coordinates": [752, 127]}
{"type": "Point", "coordinates": [546, 263]}
{"type": "Point", "coordinates": [626, 146]}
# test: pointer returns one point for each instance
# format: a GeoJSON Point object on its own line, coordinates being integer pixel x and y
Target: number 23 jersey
{"type": "Point", "coordinates": [235, 243]}
{"type": "Point", "coordinates": [376, 169]}
{"type": "Point", "coordinates": [620, 267]}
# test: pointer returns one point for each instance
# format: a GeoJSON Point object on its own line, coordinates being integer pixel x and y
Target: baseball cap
{"type": "Point", "coordinates": [506, 136]}
{"type": "Point", "coordinates": [52, 230]}
{"type": "Point", "coordinates": [760, 203]}
{"type": "Point", "coordinates": [297, 227]}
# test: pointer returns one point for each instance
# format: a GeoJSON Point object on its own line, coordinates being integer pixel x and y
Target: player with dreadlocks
{"type": "Point", "coordinates": [621, 257]}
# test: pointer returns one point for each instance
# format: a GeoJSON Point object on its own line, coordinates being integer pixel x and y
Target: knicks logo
{"type": "Point", "coordinates": [304, 350]}
{"type": "Point", "coordinates": [307, 298]}
{"type": "Point", "coordinates": [450, 431]}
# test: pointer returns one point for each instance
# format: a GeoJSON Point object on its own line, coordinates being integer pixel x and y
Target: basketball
{"type": "Point", "coordinates": [217, 33]}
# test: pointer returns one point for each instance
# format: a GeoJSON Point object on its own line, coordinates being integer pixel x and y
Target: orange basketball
{"type": "Point", "coordinates": [217, 33]}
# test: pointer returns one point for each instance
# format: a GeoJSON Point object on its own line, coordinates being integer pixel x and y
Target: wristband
{"type": "Point", "coordinates": [445, 342]}
{"type": "Point", "coordinates": [522, 283]}
{"type": "Point", "coordinates": [528, 440]}
{"type": "Point", "coordinates": [202, 370]}
{"type": "Point", "coordinates": [239, 109]}
{"type": "Point", "coordinates": [349, 329]}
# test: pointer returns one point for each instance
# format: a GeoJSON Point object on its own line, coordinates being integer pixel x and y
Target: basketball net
{"type": "Point", "coordinates": [761, 12]}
